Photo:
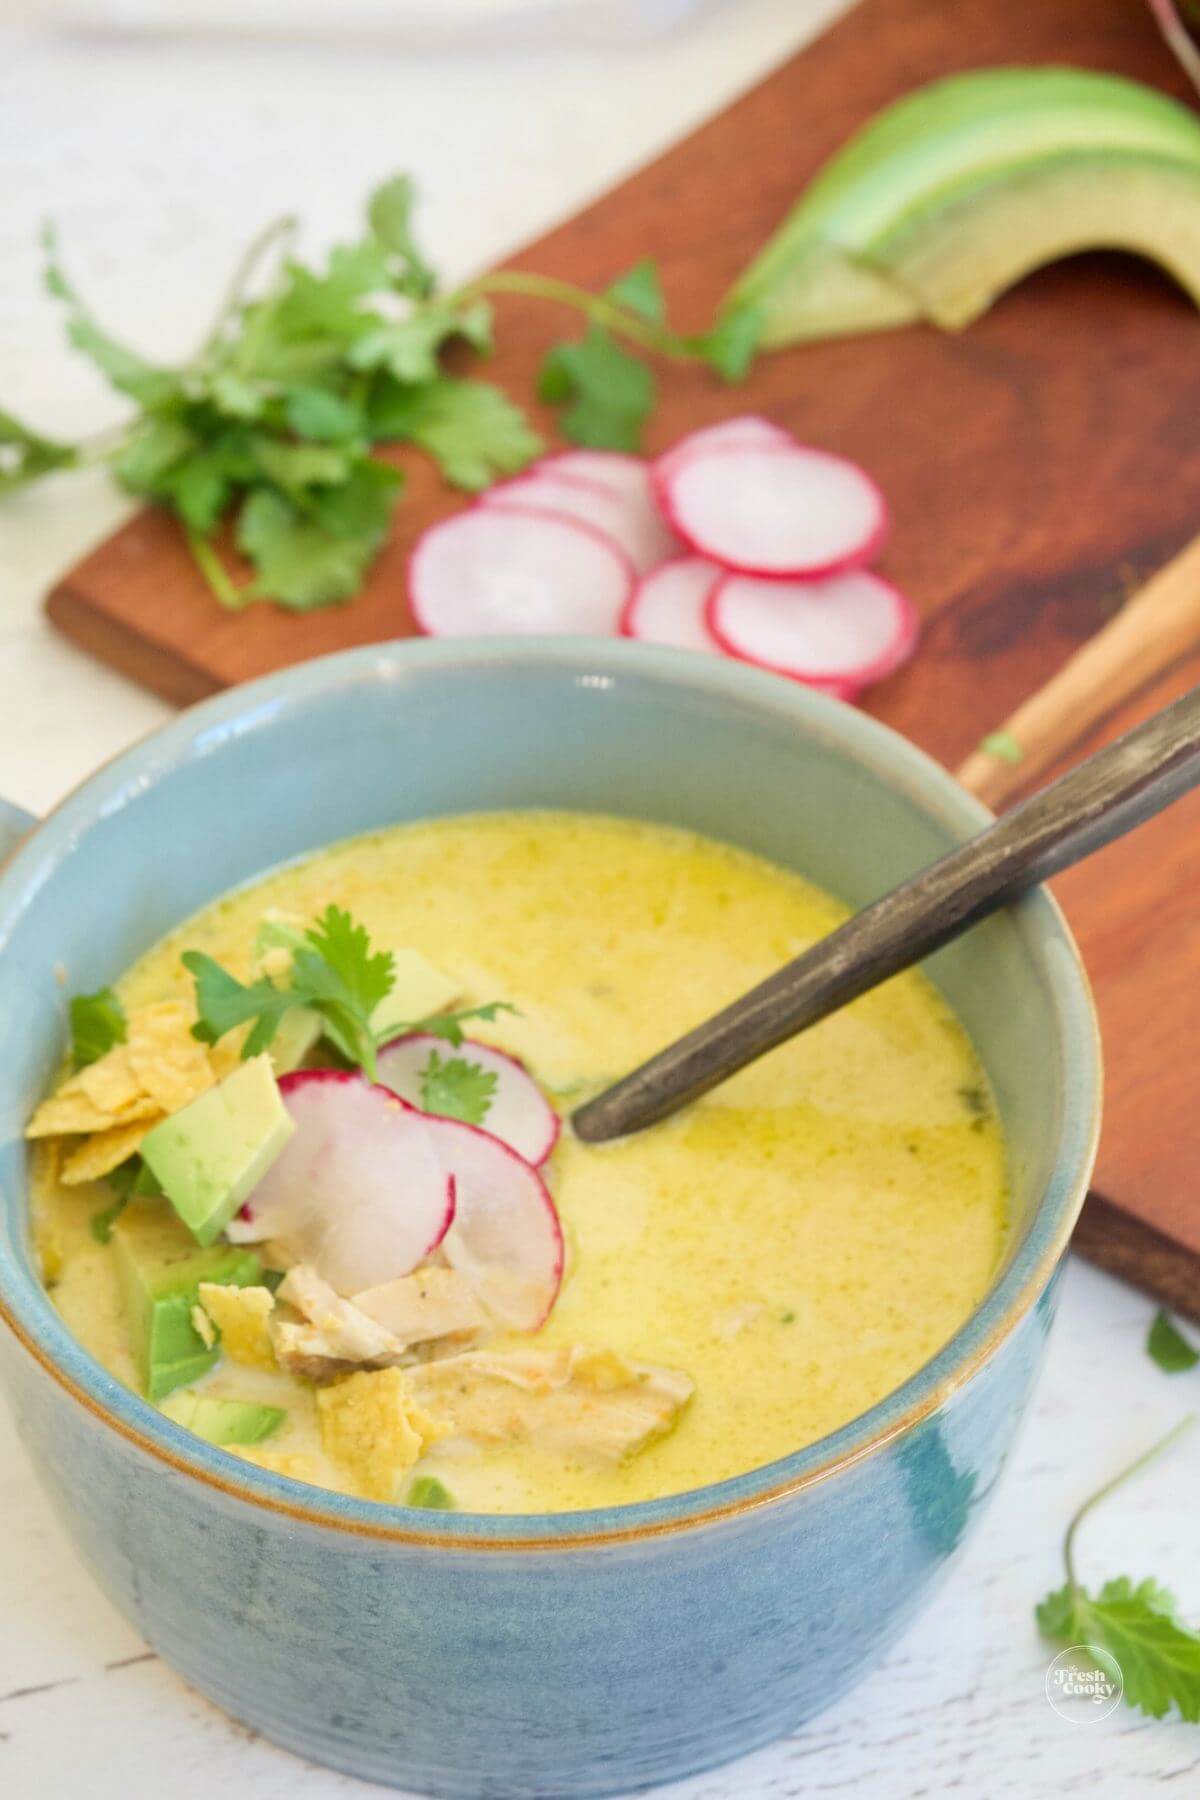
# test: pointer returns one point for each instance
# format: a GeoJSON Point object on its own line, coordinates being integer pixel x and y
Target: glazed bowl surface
{"type": "Point", "coordinates": [567, 1654]}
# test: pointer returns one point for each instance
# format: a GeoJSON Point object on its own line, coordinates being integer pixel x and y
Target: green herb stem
{"type": "Point", "coordinates": [1134, 1468]}
{"type": "Point", "coordinates": [598, 308]}
{"type": "Point", "coordinates": [232, 597]}
{"type": "Point", "coordinates": [282, 231]}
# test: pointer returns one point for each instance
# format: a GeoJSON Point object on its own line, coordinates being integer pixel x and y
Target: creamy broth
{"type": "Point", "coordinates": [799, 1242]}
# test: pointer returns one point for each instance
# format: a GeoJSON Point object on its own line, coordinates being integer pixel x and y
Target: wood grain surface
{"type": "Point", "coordinates": [1039, 467]}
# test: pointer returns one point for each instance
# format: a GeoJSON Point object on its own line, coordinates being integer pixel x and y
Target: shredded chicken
{"type": "Point", "coordinates": [432, 1303]}
{"type": "Point", "coordinates": [578, 1402]}
{"type": "Point", "coordinates": [334, 1335]}
{"type": "Point", "coordinates": [377, 1329]}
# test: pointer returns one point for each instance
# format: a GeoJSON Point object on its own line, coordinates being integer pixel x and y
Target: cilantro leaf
{"type": "Point", "coordinates": [97, 1024]}
{"type": "Point", "coordinates": [640, 291]}
{"type": "Point", "coordinates": [130, 373]}
{"type": "Point", "coordinates": [25, 454]}
{"type": "Point", "coordinates": [1136, 1623]}
{"type": "Point", "coordinates": [457, 1089]}
{"type": "Point", "coordinates": [389, 212]}
{"type": "Point", "coordinates": [344, 947]}
{"type": "Point", "coordinates": [1166, 1344]}
{"type": "Point", "coordinates": [312, 546]}
{"type": "Point", "coordinates": [450, 1025]}
{"type": "Point", "coordinates": [321, 415]}
{"type": "Point", "coordinates": [731, 345]}
{"type": "Point", "coordinates": [155, 445]}
{"type": "Point", "coordinates": [1158, 1657]}
{"type": "Point", "coordinates": [223, 1003]}
{"type": "Point", "coordinates": [409, 348]}
{"type": "Point", "coordinates": [608, 394]}
{"type": "Point", "coordinates": [330, 304]}
{"type": "Point", "coordinates": [471, 429]}
{"type": "Point", "coordinates": [334, 972]}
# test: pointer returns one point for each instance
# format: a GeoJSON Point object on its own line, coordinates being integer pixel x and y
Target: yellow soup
{"type": "Point", "coordinates": [797, 1244]}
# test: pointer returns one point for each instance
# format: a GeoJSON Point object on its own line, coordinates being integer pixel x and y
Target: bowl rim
{"type": "Point", "coordinates": [887, 758]}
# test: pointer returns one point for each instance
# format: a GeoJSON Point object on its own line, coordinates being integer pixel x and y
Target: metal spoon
{"type": "Point", "coordinates": [1106, 796]}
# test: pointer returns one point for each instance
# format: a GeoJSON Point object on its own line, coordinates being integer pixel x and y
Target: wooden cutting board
{"type": "Point", "coordinates": [1038, 466]}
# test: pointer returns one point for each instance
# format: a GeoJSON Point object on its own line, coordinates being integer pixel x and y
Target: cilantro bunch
{"type": "Point", "coordinates": [268, 431]}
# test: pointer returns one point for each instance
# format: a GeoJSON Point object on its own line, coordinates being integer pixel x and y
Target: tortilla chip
{"type": "Point", "coordinates": [111, 1086]}
{"type": "Point", "coordinates": [105, 1151]}
{"type": "Point", "coordinates": [167, 1061]}
{"type": "Point", "coordinates": [71, 1113]}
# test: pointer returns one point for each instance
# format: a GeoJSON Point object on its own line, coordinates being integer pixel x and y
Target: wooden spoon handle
{"type": "Point", "coordinates": [1101, 799]}
{"type": "Point", "coordinates": [1160, 624]}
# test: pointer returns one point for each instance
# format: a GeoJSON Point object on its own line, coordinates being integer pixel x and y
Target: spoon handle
{"type": "Point", "coordinates": [1103, 798]}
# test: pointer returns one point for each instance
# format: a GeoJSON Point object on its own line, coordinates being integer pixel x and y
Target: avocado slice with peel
{"type": "Point", "coordinates": [956, 191]}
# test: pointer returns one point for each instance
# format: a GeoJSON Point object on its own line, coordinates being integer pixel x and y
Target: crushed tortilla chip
{"type": "Point", "coordinates": [241, 1315]}
{"type": "Point", "coordinates": [76, 1109]}
{"type": "Point", "coordinates": [104, 1151]}
{"type": "Point", "coordinates": [226, 1054]}
{"type": "Point", "coordinates": [204, 1328]}
{"type": "Point", "coordinates": [110, 1084]}
{"type": "Point", "coordinates": [373, 1428]}
{"type": "Point", "coordinates": [168, 1063]}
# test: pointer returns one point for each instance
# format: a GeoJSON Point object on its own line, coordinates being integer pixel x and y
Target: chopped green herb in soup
{"type": "Point", "coordinates": [305, 1183]}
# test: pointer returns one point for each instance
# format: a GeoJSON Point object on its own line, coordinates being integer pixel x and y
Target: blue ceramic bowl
{"type": "Point", "coordinates": [576, 1653]}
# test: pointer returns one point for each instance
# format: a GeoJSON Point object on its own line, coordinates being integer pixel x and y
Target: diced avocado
{"type": "Point", "coordinates": [418, 991]}
{"type": "Point", "coordinates": [295, 1035]}
{"type": "Point", "coordinates": [431, 1494]}
{"type": "Point", "coordinates": [224, 1421]}
{"type": "Point", "coordinates": [210, 1154]}
{"type": "Point", "coordinates": [160, 1271]}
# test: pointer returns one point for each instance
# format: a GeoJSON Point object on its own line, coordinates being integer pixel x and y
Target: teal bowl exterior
{"type": "Point", "coordinates": [562, 1655]}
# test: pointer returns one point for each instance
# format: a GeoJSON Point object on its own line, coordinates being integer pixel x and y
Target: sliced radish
{"type": "Point", "coordinates": [490, 571]}
{"type": "Point", "coordinates": [849, 629]}
{"type": "Point", "coordinates": [519, 1114]}
{"type": "Point", "coordinates": [631, 517]}
{"type": "Point", "coordinates": [506, 1239]}
{"type": "Point", "coordinates": [775, 509]}
{"type": "Point", "coordinates": [619, 470]}
{"type": "Point", "coordinates": [361, 1192]}
{"type": "Point", "coordinates": [746, 428]}
{"type": "Point", "coordinates": [667, 605]}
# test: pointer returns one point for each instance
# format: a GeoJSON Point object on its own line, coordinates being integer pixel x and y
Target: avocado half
{"type": "Point", "coordinates": [954, 193]}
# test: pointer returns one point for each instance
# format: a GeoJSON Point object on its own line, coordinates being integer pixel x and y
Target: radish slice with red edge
{"type": "Point", "coordinates": [667, 605]}
{"type": "Point", "coordinates": [360, 1191]}
{"type": "Point", "coordinates": [775, 509]}
{"type": "Point", "coordinates": [493, 572]}
{"type": "Point", "coordinates": [631, 518]}
{"type": "Point", "coordinates": [519, 1113]}
{"type": "Point", "coordinates": [506, 1239]}
{"type": "Point", "coordinates": [619, 470]}
{"type": "Point", "coordinates": [850, 629]}
{"type": "Point", "coordinates": [746, 428]}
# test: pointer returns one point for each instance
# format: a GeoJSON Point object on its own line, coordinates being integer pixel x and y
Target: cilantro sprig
{"type": "Point", "coordinates": [332, 971]}
{"type": "Point", "coordinates": [265, 438]}
{"type": "Point", "coordinates": [457, 1089]}
{"type": "Point", "coordinates": [1135, 1622]}
{"type": "Point", "coordinates": [1167, 1346]}
{"type": "Point", "coordinates": [97, 1024]}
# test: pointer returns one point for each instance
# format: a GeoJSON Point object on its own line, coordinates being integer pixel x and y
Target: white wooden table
{"type": "Point", "coordinates": [158, 159]}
